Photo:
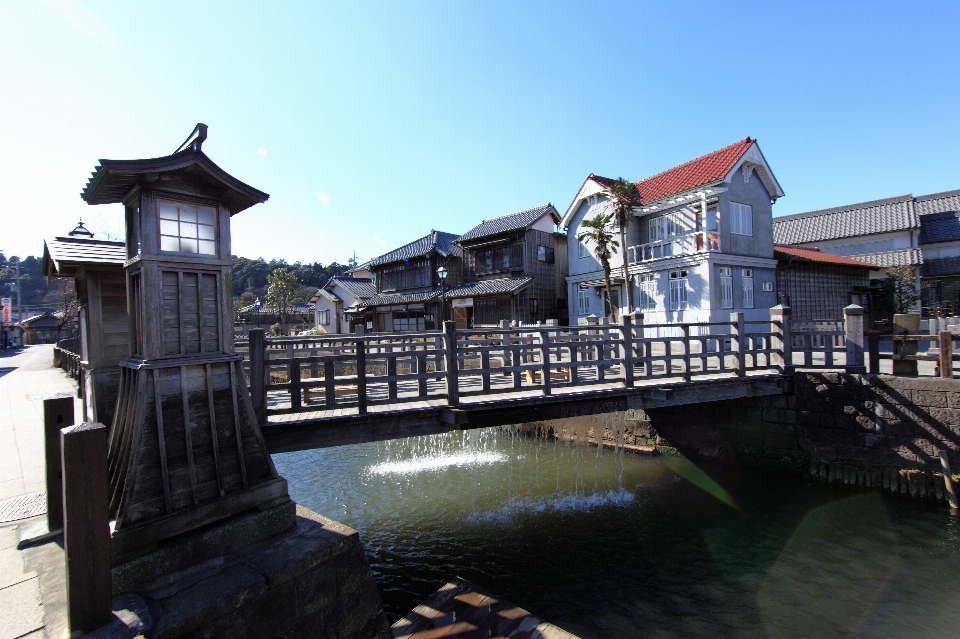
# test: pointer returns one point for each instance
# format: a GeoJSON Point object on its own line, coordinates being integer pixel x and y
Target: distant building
{"type": "Point", "coordinates": [337, 304]}
{"type": "Point", "coordinates": [45, 328]}
{"type": "Point", "coordinates": [509, 270]}
{"type": "Point", "coordinates": [259, 315]}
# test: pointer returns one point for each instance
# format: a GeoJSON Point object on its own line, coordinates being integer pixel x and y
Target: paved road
{"type": "Point", "coordinates": [26, 377]}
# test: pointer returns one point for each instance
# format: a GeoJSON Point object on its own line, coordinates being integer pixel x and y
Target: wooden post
{"type": "Point", "coordinates": [737, 332]}
{"type": "Point", "coordinates": [545, 361]}
{"type": "Point", "coordinates": [57, 415]}
{"type": "Point", "coordinates": [361, 377]}
{"type": "Point", "coordinates": [853, 329]}
{"type": "Point", "coordinates": [948, 482]}
{"type": "Point", "coordinates": [686, 351]}
{"type": "Point", "coordinates": [626, 322]}
{"type": "Point", "coordinates": [450, 359]}
{"type": "Point", "coordinates": [946, 354]}
{"type": "Point", "coordinates": [86, 529]}
{"type": "Point", "coordinates": [873, 347]}
{"type": "Point", "coordinates": [784, 342]}
{"type": "Point", "coordinates": [296, 394]}
{"type": "Point", "coordinates": [391, 372]}
{"type": "Point", "coordinates": [258, 372]}
{"type": "Point", "coordinates": [505, 338]}
{"type": "Point", "coordinates": [330, 385]}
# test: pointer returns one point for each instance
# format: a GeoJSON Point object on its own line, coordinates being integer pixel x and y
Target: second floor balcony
{"type": "Point", "coordinates": [675, 246]}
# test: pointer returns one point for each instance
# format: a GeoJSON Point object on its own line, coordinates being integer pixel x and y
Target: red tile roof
{"type": "Point", "coordinates": [708, 168]}
{"type": "Point", "coordinates": [784, 252]}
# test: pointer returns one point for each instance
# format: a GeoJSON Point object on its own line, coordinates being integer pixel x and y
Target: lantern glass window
{"type": "Point", "coordinates": [187, 228]}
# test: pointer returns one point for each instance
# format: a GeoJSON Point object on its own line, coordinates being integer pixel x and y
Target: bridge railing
{"type": "Point", "coordinates": [290, 375]}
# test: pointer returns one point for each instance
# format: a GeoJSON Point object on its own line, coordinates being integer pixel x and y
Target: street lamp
{"type": "Point", "coordinates": [442, 274]}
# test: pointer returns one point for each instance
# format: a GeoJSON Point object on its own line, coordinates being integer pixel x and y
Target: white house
{"type": "Point", "coordinates": [338, 301]}
{"type": "Point", "coordinates": [699, 244]}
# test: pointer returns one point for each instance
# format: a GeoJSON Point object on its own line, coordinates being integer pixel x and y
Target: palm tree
{"type": "Point", "coordinates": [599, 234]}
{"type": "Point", "coordinates": [622, 195]}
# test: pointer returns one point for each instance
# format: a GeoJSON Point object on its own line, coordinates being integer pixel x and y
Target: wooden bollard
{"type": "Point", "coordinates": [86, 526]}
{"type": "Point", "coordinates": [948, 483]}
{"type": "Point", "coordinates": [57, 415]}
{"type": "Point", "coordinates": [946, 354]}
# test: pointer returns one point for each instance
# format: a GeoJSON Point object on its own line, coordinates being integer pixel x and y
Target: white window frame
{"type": "Point", "coordinates": [726, 287]}
{"type": "Point", "coordinates": [187, 228]}
{"type": "Point", "coordinates": [678, 290]}
{"type": "Point", "coordinates": [741, 219]}
{"type": "Point", "coordinates": [664, 227]}
{"type": "Point", "coordinates": [582, 250]}
{"type": "Point", "coordinates": [583, 301]}
{"type": "Point", "coordinates": [746, 284]}
{"type": "Point", "coordinates": [768, 287]}
{"type": "Point", "coordinates": [323, 317]}
{"type": "Point", "coordinates": [647, 300]}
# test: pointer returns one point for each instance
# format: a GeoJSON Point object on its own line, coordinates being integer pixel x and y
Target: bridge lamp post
{"type": "Point", "coordinates": [442, 274]}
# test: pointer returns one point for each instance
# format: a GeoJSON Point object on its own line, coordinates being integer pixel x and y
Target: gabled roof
{"type": "Point", "coordinates": [62, 255]}
{"type": "Point", "coordinates": [500, 286]}
{"type": "Point", "coordinates": [112, 180]}
{"type": "Point", "coordinates": [360, 287]}
{"type": "Point", "coordinates": [886, 259]}
{"type": "Point", "coordinates": [40, 316]}
{"type": "Point", "coordinates": [852, 220]}
{"type": "Point", "coordinates": [442, 243]}
{"type": "Point", "coordinates": [799, 254]}
{"type": "Point", "coordinates": [939, 227]}
{"type": "Point", "coordinates": [260, 308]}
{"type": "Point", "coordinates": [938, 202]}
{"type": "Point", "coordinates": [511, 222]}
{"type": "Point", "coordinates": [710, 169]}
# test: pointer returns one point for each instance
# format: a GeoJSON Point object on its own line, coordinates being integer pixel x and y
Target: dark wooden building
{"type": "Point", "coordinates": [101, 283]}
{"type": "Point", "coordinates": [408, 285]}
{"type": "Point", "coordinates": [818, 285]}
{"type": "Point", "coordinates": [43, 328]}
{"type": "Point", "coordinates": [510, 270]}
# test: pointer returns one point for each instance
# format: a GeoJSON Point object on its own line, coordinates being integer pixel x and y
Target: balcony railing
{"type": "Point", "coordinates": [685, 244]}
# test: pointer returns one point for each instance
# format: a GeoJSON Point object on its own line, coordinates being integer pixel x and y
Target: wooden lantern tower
{"type": "Point", "coordinates": [185, 449]}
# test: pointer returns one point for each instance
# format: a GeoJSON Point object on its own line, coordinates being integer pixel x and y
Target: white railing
{"type": "Point", "coordinates": [686, 244]}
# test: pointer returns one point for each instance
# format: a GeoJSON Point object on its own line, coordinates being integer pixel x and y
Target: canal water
{"type": "Point", "coordinates": [607, 544]}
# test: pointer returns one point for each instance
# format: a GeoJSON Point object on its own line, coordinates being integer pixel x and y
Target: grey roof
{"type": "Point", "coordinates": [886, 259]}
{"type": "Point", "coordinates": [387, 299]}
{"type": "Point", "coordinates": [442, 243]}
{"type": "Point", "coordinates": [939, 227]}
{"type": "Point", "coordinates": [864, 218]}
{"type": "Point", "coordinates": [60, 251]}
{"type": "Point", "coordinates": [360, 287]}
{"type": "Point", "coordinates": [945, 266]}
{"type": "Point", "coordinates": [512, 222]}
{"type": "Point", "coordinates": [938, 202]}
{"type": "Point", "coordinates": [262, 309]}
{"type": "Point", "coordinates": [498, 286]}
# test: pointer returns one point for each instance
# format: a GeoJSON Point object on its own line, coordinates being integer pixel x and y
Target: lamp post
{"type": "Point", "coordinates": [442, 274]}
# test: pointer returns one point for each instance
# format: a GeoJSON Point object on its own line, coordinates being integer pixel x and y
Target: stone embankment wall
{"type": "Point", "coordinates": [871, 431]}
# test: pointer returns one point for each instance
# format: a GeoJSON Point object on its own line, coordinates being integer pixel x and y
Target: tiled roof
{"type": "Point", "coordinates": [387, 299]}
{"type": "Point", "coordinates": [786, 253]}
{"type": "Point", "coordinates": [704, 170]}
{"type": "Point", "coordinates": [59, 251]}
{"type": "Point", "coordinates": [512, 222]}
{"type": "Point", "coordinates": [945, 266]}
{"type": "Point", "coordinates": [886, 259]}
{"type": "Point", "coordinates": [499, 286]}
{"type": "Point", "coordinates": [939, 227]}
{"type": "Point", "coordinates": [852, 220]}
{"type": "Point", "coordinates": [261, 309]}
{"type": "Point", "coordinates": [439, 241]}
{"type": "Point", "coordinates": [938, 202]}
{"type": "Point", "coordinates": [41, 316]}
{"type": "Point", "coordinates": [360, 287]}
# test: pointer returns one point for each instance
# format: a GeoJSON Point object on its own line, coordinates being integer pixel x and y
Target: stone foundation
{"type": "Point", "coordinates": [870, 431]}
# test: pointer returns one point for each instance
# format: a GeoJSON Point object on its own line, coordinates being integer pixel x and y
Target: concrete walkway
{"type": "Point", "coordinates": [26, 377]}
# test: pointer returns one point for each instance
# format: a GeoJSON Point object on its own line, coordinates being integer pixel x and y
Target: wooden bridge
{"type": "Point", "coordinates": [314, 392]}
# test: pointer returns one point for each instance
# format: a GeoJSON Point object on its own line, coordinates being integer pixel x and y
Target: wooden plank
{"type": "Point", "coordinates": [161, 441]}
{"type": "Point", "coordinates": [86, 526]}
{"type": "Point", "coordinates": [188, 436]}
{"type": "Point", "coordinates": [213, 430]}
{"type": "Point", "coordinates": [361, 377]}
{"type": "Point", "coordinates": [57, 415]}
{"type": "Point", "coordinates": [236, 428]}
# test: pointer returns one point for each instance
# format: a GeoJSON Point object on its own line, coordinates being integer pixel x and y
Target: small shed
{"type": "Point", "coordinates": [97, 269]}
{"type": "Point", "coordinates": [818, 285]}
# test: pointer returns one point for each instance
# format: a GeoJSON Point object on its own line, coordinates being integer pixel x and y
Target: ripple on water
{"type": "Point", "coordinates": [425, 464]}
{"type": "Point", "coordinates": [553, 503]}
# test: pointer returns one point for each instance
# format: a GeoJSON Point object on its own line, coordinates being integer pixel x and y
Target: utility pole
{"type": "Point", "coordinates": [19, 317]}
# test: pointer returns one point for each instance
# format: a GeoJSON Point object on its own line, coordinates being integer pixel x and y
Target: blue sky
{"type": "Point", "coordinates": [370, 123]}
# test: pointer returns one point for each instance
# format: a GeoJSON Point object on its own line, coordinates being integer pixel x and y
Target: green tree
{"type": "Point", "coordinates": [904, 286]}
{"type": "Point", "coordinates": [282, 294]}
{"type": "Point", "coordinates": [597, 231]}
{"type": "Point", "coordinates": [622, 196]}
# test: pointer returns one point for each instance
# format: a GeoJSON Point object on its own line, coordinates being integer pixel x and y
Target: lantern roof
{"type": "Point", "coordinates": [112, 180]}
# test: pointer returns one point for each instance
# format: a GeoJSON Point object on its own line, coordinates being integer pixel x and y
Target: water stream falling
{"type": "Point", "coordinates": [608, 544]}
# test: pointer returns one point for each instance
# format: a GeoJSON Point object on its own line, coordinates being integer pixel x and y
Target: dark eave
{"type": "Point", "coordinates": [112, 180]}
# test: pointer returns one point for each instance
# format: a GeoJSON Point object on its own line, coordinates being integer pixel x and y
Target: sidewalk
{"type": "Point", "coordinates": [26, 377]}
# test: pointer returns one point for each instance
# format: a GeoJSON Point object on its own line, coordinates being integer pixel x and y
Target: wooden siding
{"type": "Point", "coordinates": [819, 291]}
